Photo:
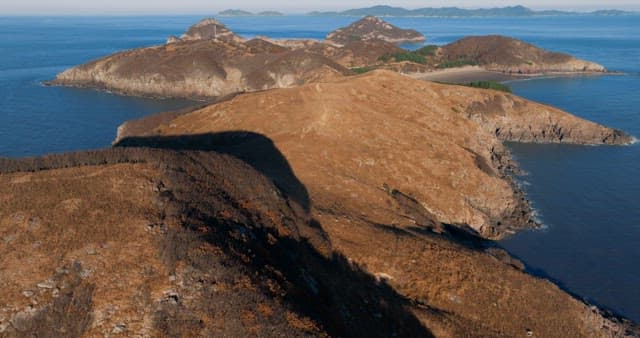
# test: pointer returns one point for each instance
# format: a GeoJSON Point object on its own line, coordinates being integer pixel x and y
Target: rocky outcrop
{"type": "Point", "coordinates": [141, 242]}
{"type": "Point", "coordinates": [371, 27]}
{"type": "Point", "coordinates": [210, 29]}
{"type": "Point", "coordinates": [509, 55]}
{"type": "Point", "coordinates": [519, 120]}
{"type": "Point", "coordinates": [439, 144]}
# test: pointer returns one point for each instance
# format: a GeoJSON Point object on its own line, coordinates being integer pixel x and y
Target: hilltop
{"type": "Point", "coordinates": [509, 55]}
{"type": "Point", "coordinates": [358, 134]}
{"type": "Point", "coordinates": [370, 28]}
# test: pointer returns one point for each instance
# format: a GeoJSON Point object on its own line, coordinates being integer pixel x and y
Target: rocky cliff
{"type": "Point", "coordinates": [509, 55]}
{"type": "Point", "coordinates": [371, 27]}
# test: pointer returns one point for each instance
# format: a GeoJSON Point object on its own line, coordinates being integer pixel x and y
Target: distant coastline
{"type": "Point", "coordinates": [451, 12]}
{"type": "Point", "coordinates": [238, 12]}
{"type": "Point", "coordinates": [436, 12]}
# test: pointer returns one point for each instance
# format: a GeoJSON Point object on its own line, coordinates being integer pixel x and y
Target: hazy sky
{"type": "Point", "coordinates": [40, 7]}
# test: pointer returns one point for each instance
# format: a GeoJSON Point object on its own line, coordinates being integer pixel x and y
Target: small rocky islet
{"type": "Point", "coordinates": [301, 200]}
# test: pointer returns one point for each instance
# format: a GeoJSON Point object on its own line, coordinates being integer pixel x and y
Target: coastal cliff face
{"type": "Point", "coordinates": [509, 55]}
{"type": "Point", "coordinates": [371, 27]}
{"type": "Point", "coordinates": [163, 243]}
{"type": "Point", "coordinates": [439, 144]}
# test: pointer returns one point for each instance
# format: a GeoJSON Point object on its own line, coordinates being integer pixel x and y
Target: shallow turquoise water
{"type": "Point", "coordinates": [588, 197]}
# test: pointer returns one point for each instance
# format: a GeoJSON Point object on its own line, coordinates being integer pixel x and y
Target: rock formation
{"type": "Point", "coordinates": [509, 55]}
{"type": "Point", "coordinates": [371, 27]}
{"type": "Point", "coordinates": [211, 29]}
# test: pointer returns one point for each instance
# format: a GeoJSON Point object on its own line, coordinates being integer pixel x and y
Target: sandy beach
{"type": "Point", "coordinates": [463, 75]}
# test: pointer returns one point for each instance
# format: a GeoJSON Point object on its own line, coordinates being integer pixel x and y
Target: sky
{"type": "Point", "coordinates": [44, 7]}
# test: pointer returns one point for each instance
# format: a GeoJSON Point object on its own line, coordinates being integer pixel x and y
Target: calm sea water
{"type": "Point", "coordinates": [587, 197]}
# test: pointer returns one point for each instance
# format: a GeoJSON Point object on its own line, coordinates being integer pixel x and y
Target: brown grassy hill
{"type": "Point", "coordinates": [439, 144]}
{"type": "Point", "coordinates": [130, 242]}
{"type": "Point", "coordinates": [136, 242]}
{"type": "Point", "coordinates": [371, 27]}
{"type": "Point", "coordinates": [385, 161]}
{"type": "Point", "coordinates": [510, 55]}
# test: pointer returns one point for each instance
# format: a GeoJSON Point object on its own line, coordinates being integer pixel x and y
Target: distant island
{"type": "Point", "coordinates": [237, 12]}
{"type": "Point", "coordinates": [519, 11]}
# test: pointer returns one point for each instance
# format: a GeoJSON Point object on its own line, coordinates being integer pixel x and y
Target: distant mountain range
{"type": "Point", "coordinates": [237, 12]}
{"type": "Point", "coordinates": [520, 11]}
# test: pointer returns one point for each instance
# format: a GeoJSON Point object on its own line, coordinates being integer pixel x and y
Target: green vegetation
{"type": "Point", "coordinates": [429, 50]}
{"type": "Point", "coordinates": [404, 56]}
{"type": "Point", "coordinates": [417, 56]}
{"type": "Point", "coordinates": [456, 63]}
{"type": "Point", "coordinates": [361, 70]}
{"type": "Point", "coordinates": [410, 56]}
{"type": "Point", "coordinates": [489, 85]}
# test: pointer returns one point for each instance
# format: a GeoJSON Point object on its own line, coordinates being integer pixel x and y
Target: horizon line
{"type": "Point", "coordinates": [286, 11]}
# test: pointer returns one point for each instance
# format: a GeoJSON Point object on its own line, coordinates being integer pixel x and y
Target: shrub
{"type": "Point", "coordinates": [411, 57]}
{"type": "Point", "coordinates": [489, 85]}
{"type": "Point", "coordinates": [456, 63]}
{"type": "Point", "coordinates": [361, 70]}
{"type": "Point", "coordinates": [429, 50]}
{"type": "Point", "coordinates": [404, 56]}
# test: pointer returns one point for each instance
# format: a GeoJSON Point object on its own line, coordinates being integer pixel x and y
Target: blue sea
{"type": "Point", "coordinates": [588, 198]}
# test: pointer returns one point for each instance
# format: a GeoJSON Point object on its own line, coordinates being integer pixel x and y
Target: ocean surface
{"type": "Point", "coordinates": [588, 198]}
